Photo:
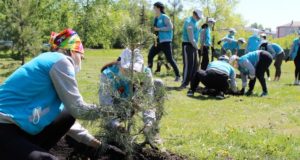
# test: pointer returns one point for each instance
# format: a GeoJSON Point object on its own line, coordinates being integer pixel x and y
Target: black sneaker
{"type": "Point", "coordinates": [264, 94]}
{"type": "Point", "coordinates": [249, 93]}
{"type": "Point", "coordinates": [190, 93]}
{"type": "Point", "coordinates": [182, 86]}
{"type": "Point", "coordinates": [220, 95]}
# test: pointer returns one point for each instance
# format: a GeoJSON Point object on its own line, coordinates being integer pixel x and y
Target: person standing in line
{"type": "Point", "coordinates": [190, 39]}
{"type": "Point", "coordinates": [295, 56]}
{"type": "Point", "coordinates": [164, 29]}
{"type": "Point", "coordinates": [205, 40]}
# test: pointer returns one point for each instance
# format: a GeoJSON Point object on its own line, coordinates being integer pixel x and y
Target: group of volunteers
{"type": "Point", "coordinates": [219, 77]}
{"type": "Point", "coordinates": [40, 101]}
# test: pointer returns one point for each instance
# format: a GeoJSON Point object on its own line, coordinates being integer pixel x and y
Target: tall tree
{"type": "Point", "coordinates": [22, 25]}
{"type": "Point", "coordinates": [257, 26]}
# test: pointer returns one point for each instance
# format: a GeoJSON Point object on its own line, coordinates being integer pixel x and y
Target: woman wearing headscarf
{"type": "Point", "coordinates": [40, 101]}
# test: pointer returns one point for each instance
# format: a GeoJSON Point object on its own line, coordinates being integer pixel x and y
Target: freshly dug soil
{"type": "Point", "coordinates": [66, 149]}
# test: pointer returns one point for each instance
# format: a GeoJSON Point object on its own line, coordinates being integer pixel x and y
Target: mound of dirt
{"type": "Point", "coordinates": [66, 149]}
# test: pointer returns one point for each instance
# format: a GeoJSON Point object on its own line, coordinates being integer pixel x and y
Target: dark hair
{"type": "Point", "coordinates": [66, 52]}
{"type": "Point", "coordinates": [204, 26]}
{"type": "Point", "coordinates": [263, 46]}
{"type": "Point", "coordinates": [160, 6]}
{"type": "Point", "coordinates": [194, 13]}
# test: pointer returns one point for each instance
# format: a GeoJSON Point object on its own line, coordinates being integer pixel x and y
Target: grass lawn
{"type": "Point", "coordinates": [205, 128]}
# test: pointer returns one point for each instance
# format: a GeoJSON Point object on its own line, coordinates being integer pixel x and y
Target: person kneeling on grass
{"type": "Point", "coordinates": [253, 65]}
{"type": "Point", "coordinates": [40, 101]}
{"type": "Point", "coordinates": [115, 84]}
{"type": "Point", "coordinates": [215, 77]}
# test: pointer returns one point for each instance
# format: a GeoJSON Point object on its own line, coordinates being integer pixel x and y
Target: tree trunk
{"type": "Point", "coordinates": [22, 59]}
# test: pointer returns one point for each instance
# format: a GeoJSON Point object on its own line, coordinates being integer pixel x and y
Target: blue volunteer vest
{"type": "Point", "coordinates": [196, 30]}
{"type": "Point", "coordinates": [119, 82]}
{"type": "Point", "coordinates": [164, 36]}
{"type": "Point", "coordinates": [252, 57]}
{"type": "Point", "coordinates": [296, 44]}
{"type": "Point", "coordinates": [276, 48]}
{"type": "Point", "coordinates": [253, 43]}
{"type": "Point", "coordinates": [232, 46]}
{"type": "Point", "coordinates": [28, 95]}
{"type": "Point", "coordinates": [222, 66]}
{"type": "Point", "coordinates": [207, 39]}
{"type": "Point", "coordinates": [295, 49]}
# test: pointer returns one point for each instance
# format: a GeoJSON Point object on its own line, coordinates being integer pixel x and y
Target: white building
{"type": "Point", "coordinates": [287, 29]}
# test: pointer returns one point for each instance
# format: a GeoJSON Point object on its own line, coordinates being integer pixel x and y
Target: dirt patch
{"type": "Point", "coordinates": [66, 149]}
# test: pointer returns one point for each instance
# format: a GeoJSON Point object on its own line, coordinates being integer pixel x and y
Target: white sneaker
{"type": "Point", "coordinates": [269, 78]}
{"type": "Point", "coordinates": [296, 82]}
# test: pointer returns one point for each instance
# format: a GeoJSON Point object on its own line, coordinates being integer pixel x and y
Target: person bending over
{"type": "Point", "coordinates": [216, 78]}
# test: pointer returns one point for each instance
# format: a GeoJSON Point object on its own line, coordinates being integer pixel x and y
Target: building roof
{"type": "Point", "coordinates": [291, 24]}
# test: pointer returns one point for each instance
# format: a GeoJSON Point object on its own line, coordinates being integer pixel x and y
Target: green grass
{"type": "Point", "coordinates": [205, 128]}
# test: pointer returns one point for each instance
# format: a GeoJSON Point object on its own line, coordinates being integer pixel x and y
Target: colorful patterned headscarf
{"type": "Point", "coordinates": [67, 39]}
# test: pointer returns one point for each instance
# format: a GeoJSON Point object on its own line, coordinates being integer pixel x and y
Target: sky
{"type": "Point", "coordinates": [269, 13]}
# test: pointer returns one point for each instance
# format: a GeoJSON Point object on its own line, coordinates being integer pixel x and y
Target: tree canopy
{"type": "Point", "coordinates": [28, 23]}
